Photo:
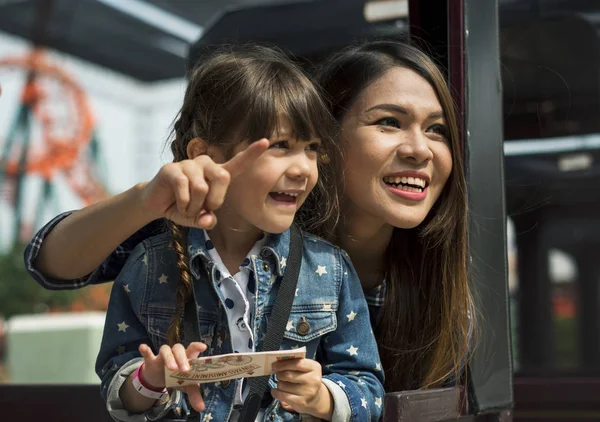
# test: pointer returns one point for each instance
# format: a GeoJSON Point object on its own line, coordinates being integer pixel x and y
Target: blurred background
{"type": "Point", "coordinates": [91, 87]}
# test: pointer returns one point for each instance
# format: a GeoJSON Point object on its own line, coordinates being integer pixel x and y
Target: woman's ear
{"type": "Point", "coordinates": [196, 147]}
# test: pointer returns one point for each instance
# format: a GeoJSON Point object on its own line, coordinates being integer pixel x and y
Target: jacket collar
{"type": "Point", "coordinates": [275, 251]}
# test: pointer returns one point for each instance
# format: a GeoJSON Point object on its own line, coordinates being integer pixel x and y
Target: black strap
{"type": "Point", "coordinates": [191, 321]}
{"type": "Point", "coordinates": [277, 323]}
{"type": "Point", "coordinates": [275, 328]}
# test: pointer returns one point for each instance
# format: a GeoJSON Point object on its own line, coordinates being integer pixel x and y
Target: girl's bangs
{"type": "Point", "coordinates": [288, 101]}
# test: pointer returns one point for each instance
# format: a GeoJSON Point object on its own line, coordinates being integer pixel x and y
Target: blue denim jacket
{"type": "Point", "coordinates": [113, 264]}
{"type": "Point", "coordinates": [329, 297]}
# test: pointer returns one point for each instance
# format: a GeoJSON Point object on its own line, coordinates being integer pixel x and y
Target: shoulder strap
{"type": "Point", "coordinates": [285, 296]}
{"type": "Point", "coordinates": [191, 321]}
{"type": "Point", "coordinates": [277, 322]}
{"type": "Point", "coordinates": [275, 327]}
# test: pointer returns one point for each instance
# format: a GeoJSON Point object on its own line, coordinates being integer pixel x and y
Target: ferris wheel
{"type": "Point", "coordinates": [51, 134]}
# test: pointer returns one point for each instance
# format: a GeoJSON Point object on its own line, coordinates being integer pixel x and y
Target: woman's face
{"type": "Point", "coordinates": [398, 155]}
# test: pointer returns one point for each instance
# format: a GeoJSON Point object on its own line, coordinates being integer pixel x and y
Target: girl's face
{"type": "Point", "coordinates": [268, 195]}
{"type": "Point", "coordinates": [398, 156]}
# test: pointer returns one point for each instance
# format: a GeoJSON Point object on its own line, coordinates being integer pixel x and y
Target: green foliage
{"type": "Point", "coordinates": [20, 294]}
{"type": "Point", "coordinates": [566, 342]}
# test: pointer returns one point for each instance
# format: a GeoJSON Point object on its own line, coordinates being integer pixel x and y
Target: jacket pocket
{"type": "Point", "coordinates": [159, 320]}
{"type": "Point", "coordinates": [305, 326]}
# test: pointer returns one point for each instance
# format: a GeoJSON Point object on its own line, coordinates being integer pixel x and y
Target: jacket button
{"type": "Point", "coordinates": [271, 417]}
{"type": "Point", "coordinates": [265, 267]}
{"type": "Point", "coordinates": [222, 334]}
{"type": "Point", "coordinates": [303, 327]}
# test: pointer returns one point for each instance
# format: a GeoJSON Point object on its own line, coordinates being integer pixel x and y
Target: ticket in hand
{"type": "Point", "coordinates": [230, 366]}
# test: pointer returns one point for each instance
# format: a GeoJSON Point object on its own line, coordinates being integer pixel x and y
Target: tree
{"type": "Point", "coordinates": [20, 294]}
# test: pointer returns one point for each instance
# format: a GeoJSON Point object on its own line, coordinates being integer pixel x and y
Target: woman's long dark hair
{"type": "Point", "coordinates": [423, 327]}
{"type": "Point", "coordinates": [241, 93]}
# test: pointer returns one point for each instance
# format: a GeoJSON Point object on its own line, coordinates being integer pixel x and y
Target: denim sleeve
{"type": "Point", "coordinates": [123, 333]}
{"type": "Point", "coordinates": [349, 354]}
{"type": "Point", "coordinates": [107, 271]}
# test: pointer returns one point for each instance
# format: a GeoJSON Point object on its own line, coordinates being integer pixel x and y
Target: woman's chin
{"type": "Point", "coordinates": [404, 221]}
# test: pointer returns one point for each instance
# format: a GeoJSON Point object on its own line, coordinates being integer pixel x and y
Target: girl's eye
{"type": "Point", "coordinates": [315, 146]}
{"type": "Point", "coordinates": [280, 145]}
{"type": "Point", "coordinates": [388, 121]}
{"type": "Point", "coordinates": [440, 130]}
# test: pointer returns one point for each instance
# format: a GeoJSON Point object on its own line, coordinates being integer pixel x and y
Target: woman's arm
{"type": "Point", "coordinates": [82, 241]}
{"type": "Point", "coordinates": [185, 192]}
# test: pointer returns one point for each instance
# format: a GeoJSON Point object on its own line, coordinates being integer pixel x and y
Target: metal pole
{"type": "Point", "coordinates": [40, 25]}
{"type": "Point", "coordinates": [491, 367]}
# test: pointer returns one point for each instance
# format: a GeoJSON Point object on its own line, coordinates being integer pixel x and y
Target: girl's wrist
{"type": "Point", "coordinates": [324, 408]}
{"type": "Point", "coordinates": [149, 384]}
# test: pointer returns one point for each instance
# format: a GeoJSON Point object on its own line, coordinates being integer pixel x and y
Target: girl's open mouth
{"type": "Point", "coordinates": [288, 198]}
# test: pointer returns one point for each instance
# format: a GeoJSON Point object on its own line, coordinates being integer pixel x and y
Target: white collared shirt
{"type": "Point", "coordinates": [239, 291]}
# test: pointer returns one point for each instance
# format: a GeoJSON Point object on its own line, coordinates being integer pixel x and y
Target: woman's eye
{"type": "Point", "coordinates": [388, 121]}
{"type": "Point", "coordinates": [440, 130]}
{"type": "Point", "coordinates": [280, 145]}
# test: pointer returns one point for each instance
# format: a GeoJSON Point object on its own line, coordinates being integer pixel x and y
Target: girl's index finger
{"type": "Point", "coordinates": [245, 159]}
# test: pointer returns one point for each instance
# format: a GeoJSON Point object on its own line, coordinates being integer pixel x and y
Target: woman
{"type": "Point", "coordinates": [403, 211]}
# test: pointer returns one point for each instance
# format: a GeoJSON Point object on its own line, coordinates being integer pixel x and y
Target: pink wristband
{"type": "Point", "coordinates": [142, 389]}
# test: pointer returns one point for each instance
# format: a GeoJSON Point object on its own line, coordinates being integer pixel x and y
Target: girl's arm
{"type": "Point", "coordinates": [351, 367]}
{"type": "Point", "coordinates": [119, 354]}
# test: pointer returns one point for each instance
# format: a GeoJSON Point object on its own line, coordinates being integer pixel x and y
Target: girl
{"type": "Point", "coordinates": [234, 270]}
{"type": "Point", "coordinates": [397, 118]}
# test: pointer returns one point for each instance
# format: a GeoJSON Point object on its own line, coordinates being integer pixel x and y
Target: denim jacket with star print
{"type": "Point", "coordinates": [113, 264]}
{"type": "Point", "coordinates": [329, 297]}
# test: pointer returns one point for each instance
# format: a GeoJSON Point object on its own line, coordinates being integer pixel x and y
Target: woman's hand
{"type": "Point", "coordinates": [174, 358]}
{"type": "Point", "coordinates": [300, 389]}
{"type": "Point", "coordinates": [186, 192]}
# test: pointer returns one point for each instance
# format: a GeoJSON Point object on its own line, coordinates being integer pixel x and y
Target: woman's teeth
{"type": "Point", "coordinates": [409, 184]}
